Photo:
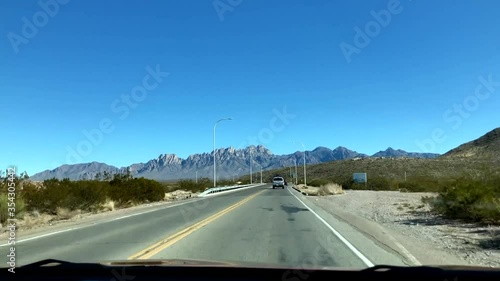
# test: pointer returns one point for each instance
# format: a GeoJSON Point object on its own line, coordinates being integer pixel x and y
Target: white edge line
{"type": "Point", "coordinates": [43, 235]}
{"type": "Point", "coordinates": [145, 212]}
{"type": "Point", "coordinates": [75, 228]}
{"type": "Point", "coordinates": [404, 251]}
{"type": "Point", "coordinates": [347, 243]}
{"type": "Point", "coordinates": [407, 253]}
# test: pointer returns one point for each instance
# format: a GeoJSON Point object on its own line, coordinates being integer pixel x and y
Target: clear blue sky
{"type": "Point", "coordinates": [76, 68]}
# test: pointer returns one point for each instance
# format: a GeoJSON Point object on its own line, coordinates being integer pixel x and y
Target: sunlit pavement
{"type": "Point", "coordinates": [257, 225]}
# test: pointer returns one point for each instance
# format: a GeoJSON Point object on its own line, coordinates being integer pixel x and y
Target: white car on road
{"type": "Point", "coordinates": [279, 182]}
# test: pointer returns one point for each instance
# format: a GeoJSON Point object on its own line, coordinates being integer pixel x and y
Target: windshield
{"type": "Point", "coordinates": [339, 134]}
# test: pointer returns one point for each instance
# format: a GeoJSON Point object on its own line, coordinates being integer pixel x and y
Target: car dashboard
{"type": "Point", "coordinates": [55, 270]}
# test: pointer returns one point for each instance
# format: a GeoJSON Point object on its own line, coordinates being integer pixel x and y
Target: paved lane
{"type": "Point", "coordinates": [258, 225]}
{"type": "Point", "coordinates": [119, 239]}
{"type": "Point", "coordinates": [273, 228]}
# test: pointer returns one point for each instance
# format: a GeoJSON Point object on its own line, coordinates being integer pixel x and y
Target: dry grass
{"type": "Point", "coordinates": [323, 190]}
{"type": "Point", "coordinates": [168, 196]}
{"type": "Point", "coordinates": [330, 189]}
{"type": "Point", "coordinates": [109, 205]}
{"type": "Point", "coordinates": [308, 190]}
{"type": "Point", "coordinates": [311, 191]}
{"type": "Point", "coordinates": [65, 214]}
{"type": "Point", "coordinates": [178, 195]}
{"type": "Point", "coordinates": [35, 219]}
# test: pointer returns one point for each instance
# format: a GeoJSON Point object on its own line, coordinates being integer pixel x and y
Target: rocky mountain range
{"type": "Point", "coordinates": [230, 163]}
{"type": "Point", "coordinates": [391, 152]}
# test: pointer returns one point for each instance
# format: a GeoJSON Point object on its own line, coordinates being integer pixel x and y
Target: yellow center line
{"type": "Point", "coordinates": [172, 239]}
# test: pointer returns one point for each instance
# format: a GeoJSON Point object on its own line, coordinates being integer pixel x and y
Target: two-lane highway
{"type": "Point", "coordinates": [273, 227]}
{"type": "Point", "coordinates": [258, 225]}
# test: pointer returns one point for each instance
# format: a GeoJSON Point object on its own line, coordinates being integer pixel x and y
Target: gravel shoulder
{"type": "Point", "coordinates": [409, 223]}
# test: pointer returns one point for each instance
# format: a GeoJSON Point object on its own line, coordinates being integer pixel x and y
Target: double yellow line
{"type": "Point", "coordinates": [172, 239]}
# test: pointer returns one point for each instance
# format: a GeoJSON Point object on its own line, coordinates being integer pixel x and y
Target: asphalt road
{"type": "Point", "coordinates": [258, 225]}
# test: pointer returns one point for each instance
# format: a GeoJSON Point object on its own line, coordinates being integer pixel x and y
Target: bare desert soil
{"type": "Point", "coordinates": [405, 214]}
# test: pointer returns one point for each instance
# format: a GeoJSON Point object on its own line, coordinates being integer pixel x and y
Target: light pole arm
{"type": "Point", "coordinates": [215, 171]}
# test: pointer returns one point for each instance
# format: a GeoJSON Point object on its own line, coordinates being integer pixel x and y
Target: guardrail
{"type": "Point", "coordinates": [225, 188]}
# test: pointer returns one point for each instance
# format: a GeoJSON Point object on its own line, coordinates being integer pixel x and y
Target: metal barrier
{"type": "Point", "coordinates": [225, 188]}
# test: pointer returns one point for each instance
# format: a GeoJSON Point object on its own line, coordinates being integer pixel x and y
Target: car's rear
{"type": "Point", "coordinates": [278, 182]}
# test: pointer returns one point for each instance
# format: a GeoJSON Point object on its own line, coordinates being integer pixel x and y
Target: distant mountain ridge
{"type": "Point", "coordinates": [230, 163]}
{"type": "Point", "coordinates": [390, 152]}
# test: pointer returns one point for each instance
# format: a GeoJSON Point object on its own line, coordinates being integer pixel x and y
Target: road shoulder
{"type": "Point", "coordinates": [356, 229]}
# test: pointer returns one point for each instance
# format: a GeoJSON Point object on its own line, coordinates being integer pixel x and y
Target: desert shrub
{"type": "Point", "coordinates": [148, 190]}
{"type": "Point", "coordinates": [359, 186]}
{"type": "Point", "coordinates": [193, 186]}
{"type": "Point", "coordinates": [86, 195]}
{"type": "Point", "coordinates": [230, 182]}
{"type": "Point", "coordinates": [126, 191]}
{"type": "Point", "coordinates": [71, 195]}
{"type": "Point", "coordinates": [318, 182]}
{"type": "Point", "coordinates": [347, 183]}
{"type": "Point", "coordinates": [379, 183]}
{"type": "Point", "coordinates": [53, 194]}
{"type": "Point", "coordinates": [422, 184]}
{"type": "Point", "coordinates": [411, 187]}
{"type": "Point", "coordinates": [6, 202]}
{"type": "Point", "coordinates": [471, 199]}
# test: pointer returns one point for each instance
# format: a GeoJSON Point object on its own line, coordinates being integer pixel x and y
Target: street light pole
{"type": "Point", "coordinates": [215, 172]}
{"type": "Point", "coordinates": [305, 177]}
{"type": "Point", "coordinates": [251, 165]}
{"type": "Point", "coordinates": [260, 174]}
{"type": "Point", "coordinates": [296, 175]}
{"type": "Point", "coordinates": [260, 171]}
{"type": "Point", "coordinates": [196, 176]}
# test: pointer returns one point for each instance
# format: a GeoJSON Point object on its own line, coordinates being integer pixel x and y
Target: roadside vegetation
{"type": "Point", "coordinates": [475, 199]}
{"type": "Point", "coordinates": [463, 189]}
{"type": "Point", "coordinates": [472, 198]}
{"type": "Point", "coordinates": [64, 198]}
